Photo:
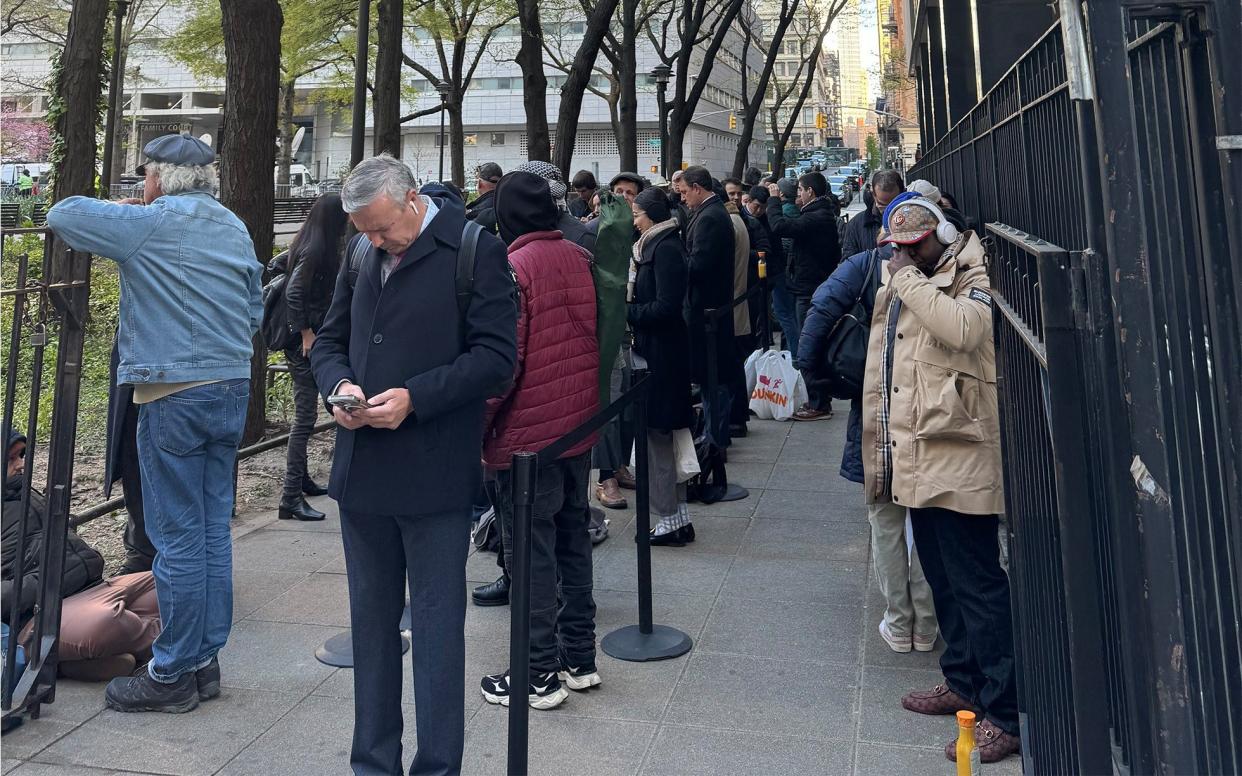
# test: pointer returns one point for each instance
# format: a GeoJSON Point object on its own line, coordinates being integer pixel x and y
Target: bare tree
{"type": "Point", "coordinates": [534, 82]}
{"type": "Point", "coordinates": [387, 102]}
{"type": "Point", "coordinates": [460, 33]}
{"type": "Point", "coordinates": [578, 79]}
{"type": "Point", "coordinates": [252, 32]}
{"type": "Point", "coordinates": [754, 99]}
{"type": "Point", "coordinates": [811, 32]}
{"type": "Point", "coordinates": [677, 32]}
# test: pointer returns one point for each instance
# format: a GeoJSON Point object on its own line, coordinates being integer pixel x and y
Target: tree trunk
{"type": "Point", "coordinates": [457, 140]}
{"type": "Point", "coordinates": [580, 72]}
{"type": "Point", "coordinates": [676, 139]}
{"type": "Point", "coordinates": [387, 79]}
{"type": "Point", "coordinates": [287, 131]}
{"type": "Point", "coordinates": [686, 96]}
{"type": "Point", "coordinates": [248, 147]}
{"type": "Point", "coordinates": [778, 146]}
{"type": "Point", "coordinates": [754, 101]}
{"type": "Point", "coordinates": [78, 88]}
{"type": "Point", "coordinates": [534, 83]}
{"type": "Point", "coordinates": [627, 139]}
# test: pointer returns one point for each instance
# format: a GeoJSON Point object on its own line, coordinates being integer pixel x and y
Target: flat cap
{"type": "Point", "coordinates": [632, 177]}
{"type": "Point", "coordinates": [182, 150]}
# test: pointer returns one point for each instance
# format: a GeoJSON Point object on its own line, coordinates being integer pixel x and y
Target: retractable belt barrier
{"type": "Point", "coordinates": [642, 642]}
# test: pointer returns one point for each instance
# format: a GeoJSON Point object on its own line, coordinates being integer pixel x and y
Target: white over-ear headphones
{"type": "Point", "coordinates": [946, 232]}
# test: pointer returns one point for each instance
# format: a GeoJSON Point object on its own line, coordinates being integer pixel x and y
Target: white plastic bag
{"type": "Point", "coordinates": [751, 375]}
{"type": "Point", "coordinates": [687, 457]}
{"type": "Point", "coordinates": [779, 388]}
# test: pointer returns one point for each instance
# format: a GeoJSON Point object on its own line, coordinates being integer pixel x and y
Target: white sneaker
{"type": "Point", "coordinates": [925, 643]}
{"type": "Point", "coordinates": [579, 679]}
{"type": "Point", "coordinates": [895, 643]}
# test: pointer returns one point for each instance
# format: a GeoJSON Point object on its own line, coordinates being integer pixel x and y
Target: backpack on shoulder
{"type": "Point", "coordinates": [277, 334]}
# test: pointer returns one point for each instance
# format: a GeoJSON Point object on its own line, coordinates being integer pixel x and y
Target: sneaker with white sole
{"type": "Point", "coordinates": [580, 678]}
{"type": "Point", "coordinates": [545, 692]}
{"type": "Point", "coordinates": [925, 643]}
{"type": "Point", "coordinates": [895, 643]}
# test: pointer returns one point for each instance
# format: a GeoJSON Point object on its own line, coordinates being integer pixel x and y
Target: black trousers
{"type": "Point", "coordinates": [139, 552]}
{"type": "Point", "coordinates": [961, 560]}
{"type": "Point", "coordinates": [816, 398]}
{"type": "Point", "coordinates": [739, 406]}
{"type": "Point", "coordinates": [305, 410]}
{"type": "Point", "coordinates": [562, 604]}
{"type": "Point", "coordinates": [384, 553]}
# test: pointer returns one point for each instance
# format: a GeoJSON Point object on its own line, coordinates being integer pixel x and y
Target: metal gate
{"type": "Point", "coordinates": [1119, 363]}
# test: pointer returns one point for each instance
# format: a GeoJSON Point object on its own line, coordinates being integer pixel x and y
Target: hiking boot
{"type": "Point", "coordinates": [936, 701]}
{"type": "Point", "coordinates": [492, 594]}
{"type": "Point", "coordinates": [810, 413]}
{"type": "Point", "coordinates": [896, 643]}
{"type": "Point", "coordinates": [207, 679]}
{"type": "Point", "coordinates": [625, 478]}
{"type": "Point", "coordinates": [579, 678]}
{"type": "Point", "coordinates": [544, 693]}
{"type": "Point", "coordinates": [608, 494]}
{"type": "Point", "coordinates": [142, 693]}
{"type": "Point", "coordinates": [993, 744]}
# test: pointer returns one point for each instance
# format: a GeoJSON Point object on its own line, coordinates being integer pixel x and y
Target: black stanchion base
{"type": "Point", "coordinates": [630, 643]}
{"type": "Point", "coordinates": [735, 493]}
{"type": "Point", "coordinates": [338, 651]}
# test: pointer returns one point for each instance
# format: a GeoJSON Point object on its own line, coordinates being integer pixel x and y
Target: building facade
{"type": "Point", "coordinates": [162, 96]}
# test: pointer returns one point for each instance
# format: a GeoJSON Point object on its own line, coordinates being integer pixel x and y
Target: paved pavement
{"type": "Point", "coordinates": [788, 674]}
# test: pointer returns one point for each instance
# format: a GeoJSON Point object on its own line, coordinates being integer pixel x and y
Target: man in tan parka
{"type": "Point", "coordinates": [931, 443]}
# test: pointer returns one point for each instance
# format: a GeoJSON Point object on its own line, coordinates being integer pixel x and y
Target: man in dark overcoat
{"type": "Point", "coordinates": [406, 467]}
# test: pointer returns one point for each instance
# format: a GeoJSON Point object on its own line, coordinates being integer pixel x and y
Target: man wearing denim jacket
{"type": "Point", "coordinates": [190, 304]}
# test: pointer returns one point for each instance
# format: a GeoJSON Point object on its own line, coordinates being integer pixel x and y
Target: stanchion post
{"type": "Point", "coordinates": [642, 519]}
{"type": "Point", "coordinates": [525, 472]}
{"type": "Point", "coordinates": [765, 319]}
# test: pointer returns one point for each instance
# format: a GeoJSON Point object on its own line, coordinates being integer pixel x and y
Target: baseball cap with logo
{"type": "Point", "coordinates": [909, 223]}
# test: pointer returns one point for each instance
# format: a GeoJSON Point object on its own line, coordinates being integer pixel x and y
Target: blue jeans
{"type": "Point", "coordinates": [784, 310]}
{"type": "Point", "coordinates": [187, 445]}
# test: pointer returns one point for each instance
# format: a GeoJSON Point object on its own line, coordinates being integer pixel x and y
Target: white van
{"type": "Point", "coordinates": [301, 184]}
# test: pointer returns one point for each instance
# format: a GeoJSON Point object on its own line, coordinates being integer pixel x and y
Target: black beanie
{"type": "Point", "coordinates": [654, 203]}
{"type": "Point", "coordinates": [524, 204]}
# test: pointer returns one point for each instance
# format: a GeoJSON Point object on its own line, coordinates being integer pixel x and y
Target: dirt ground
{"type": "Point", "coordinates": [258, 489]}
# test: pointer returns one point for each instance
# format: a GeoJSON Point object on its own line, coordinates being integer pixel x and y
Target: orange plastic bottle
{"type": "Point", "coordinates": [763, 264]}
{"type": "Point", "coordinates": [967, 754]}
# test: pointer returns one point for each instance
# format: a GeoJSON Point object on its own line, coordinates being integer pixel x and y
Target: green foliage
{"type": "Point", "coordinates": [875, 156]}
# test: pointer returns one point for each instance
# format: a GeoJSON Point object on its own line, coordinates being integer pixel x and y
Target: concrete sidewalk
{"type": "Point", "coordinates": [788, 674]}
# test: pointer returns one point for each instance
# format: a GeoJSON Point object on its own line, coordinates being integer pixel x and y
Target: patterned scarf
{"type": "Point", "coordinates": [637, 257]}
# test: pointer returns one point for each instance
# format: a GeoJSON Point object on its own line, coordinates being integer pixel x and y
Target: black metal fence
{"type": "Point", "coordinates": [1117, 277]}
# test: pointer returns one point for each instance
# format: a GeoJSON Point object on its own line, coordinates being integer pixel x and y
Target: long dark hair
{"type": "Point", "coordinates": [320, 242]}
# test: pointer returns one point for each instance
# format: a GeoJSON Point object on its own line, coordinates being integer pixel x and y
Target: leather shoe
{"type": "Point", "coordinates": [492, 594]}
{"type": "Point", "coordinates": [737, 430]}
{"type": "Point", "coordinates": [608, 494]}
{"type": "Point", "coordinates": [936, 701]}
{"type": "Point", "coordinates": [676, 538]}
{"type": "Point", "coordinates": [993, 744]}
{"type": "Point", "coordinates": [625, 478]}
{"type": "Point", "coordinates": [312, 488]}
{"type": "Point", "coordinates": [299, 510]}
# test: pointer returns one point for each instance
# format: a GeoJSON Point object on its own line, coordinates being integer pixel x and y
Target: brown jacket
{"type": "Point", "coordinates": [943, 421]}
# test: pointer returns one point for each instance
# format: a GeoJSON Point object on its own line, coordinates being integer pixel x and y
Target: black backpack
{"type": "Point", "coordinates": [359, 248]}
{"type": "Point", "coordinates": [845, 357]}
{"type": "Point", "coordinates": [275, 326]}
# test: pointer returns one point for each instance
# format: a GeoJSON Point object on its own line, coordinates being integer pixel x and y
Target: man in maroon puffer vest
{"type": "Point", "coordinates": [555, 388]}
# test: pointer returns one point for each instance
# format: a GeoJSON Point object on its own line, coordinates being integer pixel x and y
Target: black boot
{"type": "Point", "coordinates": [142, 693]}
{"type": "Point", "coordinates": [312, 488]}
{"type": "Point", "coordinates": [492, 594]}
{"type": "Point", "coordinates": [299, 510]}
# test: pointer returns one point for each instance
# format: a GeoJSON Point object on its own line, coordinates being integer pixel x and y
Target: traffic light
{"type": "Point", "coordinates": [821, 121]}
{"type": "Point", "coordinates": [732, 121]}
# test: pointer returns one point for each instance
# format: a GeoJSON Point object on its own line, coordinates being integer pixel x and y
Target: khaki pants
{"type": "Point", "coordinates": [907, 597]}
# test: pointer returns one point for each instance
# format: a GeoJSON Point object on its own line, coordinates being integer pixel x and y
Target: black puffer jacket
{"type": "Point", "coordinates": [83, 565]}
{"type": "Point", "coordinates": [308, 303]}
{"type": "Point", "coordinates": [816, 243]}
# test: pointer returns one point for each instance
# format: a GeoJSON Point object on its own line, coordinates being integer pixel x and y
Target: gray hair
{"type": "Point", "coordinates": [179, 179]}
{"type": "Point", "coordinates": [375, 176]}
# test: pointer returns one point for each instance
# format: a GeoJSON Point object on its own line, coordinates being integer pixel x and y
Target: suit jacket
{"type": "Point", "coordinates": [406, 333]}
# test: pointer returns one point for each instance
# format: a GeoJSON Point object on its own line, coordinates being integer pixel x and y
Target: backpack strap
{"type": "Point", "coordinates": [357, 252]}
{"type": "Point", "coordinates": [465, 269]}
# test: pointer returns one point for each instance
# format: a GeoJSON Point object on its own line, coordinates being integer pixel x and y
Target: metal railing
{"type": "Point", "coordinates": [1117, 339]}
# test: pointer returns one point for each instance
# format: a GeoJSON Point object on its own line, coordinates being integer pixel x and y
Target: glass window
{"type": "Point", "coordinates": [498, 138]}
{"type": "Point", "coordinates": [502, 83]}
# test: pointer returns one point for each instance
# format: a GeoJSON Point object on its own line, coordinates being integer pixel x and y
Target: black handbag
{"type": "Point", "coordinates": [845, 359]}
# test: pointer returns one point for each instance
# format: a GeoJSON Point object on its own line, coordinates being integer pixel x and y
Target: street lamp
{"type": "Point", "coordinates": [443, 89]}
{"type": "Point", "coordinates": [114, 97]}
{"type": "Point", "coordinates": [661, 74]}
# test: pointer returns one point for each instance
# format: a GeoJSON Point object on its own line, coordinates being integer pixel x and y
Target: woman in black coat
{"type": "Point", "coordinates": [656, 294]}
